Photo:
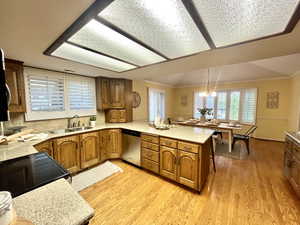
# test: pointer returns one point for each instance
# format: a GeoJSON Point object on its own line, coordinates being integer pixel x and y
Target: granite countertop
{"type": "Point", "coordinates": [294, 135]}
{"type": "Point", "coordinates": [192, 134]}
{"type": "Point", "coordinates": [56, 203]}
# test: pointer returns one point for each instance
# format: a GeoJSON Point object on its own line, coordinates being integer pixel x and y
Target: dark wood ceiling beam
{"type": "Point", "coordinates": [294, 20]}
{"type": "Point", "coordinates": [100, 53]}
{"type": "Point", "coordinates": [129, 36]}
{"type": "Point", "coordinates": [88, 14]}
{"type": "Point", "coordinates": [191, 8]}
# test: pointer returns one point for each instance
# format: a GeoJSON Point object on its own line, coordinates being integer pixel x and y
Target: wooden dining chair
{"type": "Point", "coordinates": [244, 137]}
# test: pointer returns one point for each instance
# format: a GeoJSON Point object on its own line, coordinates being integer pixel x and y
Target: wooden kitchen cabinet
{"type": "Point", "coordinates": [67, 152]}
{"type": "Point", "coordinates": [113, 143]}
{"type": "Point", "coordinates": [110, 144]}
{"type": "Point", "coordinates": [117, 87]}
{"type": "Point", "coordinates": [15, 81]}
{"type": "Point", "coordinates": [187, 170]}
{"type": "Point", "coordinates": [291, 163]}
{"type": "Point", "coordinates": [116, 116]}
{"type": "Point", "coordinates": [45, 146]}
{"type": "Point", "coordinates": [114, 96]}
{"type": "Point", "coordinates": [89, 149]}
{"type": "Point", "coordinates": [168, 162]}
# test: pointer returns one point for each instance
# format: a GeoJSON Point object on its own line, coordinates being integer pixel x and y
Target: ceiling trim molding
{"type": "Point", "coordinates": [236, 81]}
{"type": "Point", "coordinates": [158, 83]}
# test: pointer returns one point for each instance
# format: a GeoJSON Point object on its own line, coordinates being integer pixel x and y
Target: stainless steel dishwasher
{"type": "Point", "coordinates": [131, 146]}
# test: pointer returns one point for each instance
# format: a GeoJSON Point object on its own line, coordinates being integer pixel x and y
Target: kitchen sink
{"type": "Point", "coordinates": [69, 130]}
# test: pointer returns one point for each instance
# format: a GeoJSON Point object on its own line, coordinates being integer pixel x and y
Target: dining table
{"type": "Point", "coordinates": [222, 127]}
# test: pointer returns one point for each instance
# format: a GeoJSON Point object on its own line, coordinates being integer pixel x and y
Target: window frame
{"type": "Point", "coordinates": [48, 115]}
{"type": "Point", "coordinates": [148, 98]}
{"type": "Point", "coordinates": [228, 92]}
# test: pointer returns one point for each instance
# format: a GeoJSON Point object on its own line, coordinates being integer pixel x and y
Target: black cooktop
{"type": "Point", "coordinates": [26, 173]}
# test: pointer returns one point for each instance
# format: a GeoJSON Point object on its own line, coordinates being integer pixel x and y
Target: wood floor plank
{"type": "Point", "coordinates": [242, 192]}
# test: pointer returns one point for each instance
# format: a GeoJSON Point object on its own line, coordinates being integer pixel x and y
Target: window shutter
{"type": "Point", "coordinates": [81, 94]}
{"type": "Point", "coordinates": [46, 93]}
{"type": "Point", "coordinates": [221, 105]}
{"type": "Point", "coordinates": [198, 104]}
{"type": "Point", "coordinates": [234, 105]}
{"type": "Point", "coordinates": [249, 106]}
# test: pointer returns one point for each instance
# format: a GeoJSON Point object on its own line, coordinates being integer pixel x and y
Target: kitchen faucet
{"type": "Point", "coordinates": [70, 119]}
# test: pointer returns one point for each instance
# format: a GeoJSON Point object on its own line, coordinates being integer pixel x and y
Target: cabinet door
{"type": "Point", "coordinates": [15, 81]}
{"type": "Point", "coordinates": [90, 149]}
{"type": "Point", "coordinates": [103, 136]}
{"type": "Point", "coordinates": [117, 93]}
{"type": "Point", "coordinates": [45, 146]}
{"type": "Point", "coordinates": [67, 153]}
{"type": "Point", "coordinates": [295, 175]}
{"type": "Point", "coordinates": [116, 116]}
{"type": "Point", "coordinates": [103, 93]}
{"type": "Point", "coordinates": [114, 144]}
{"type": "Point", "coordinates": [168, 165]}
{"type": "Point", "coordinates": [187, 169]}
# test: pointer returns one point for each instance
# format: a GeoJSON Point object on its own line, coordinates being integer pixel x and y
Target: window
{"type": "Point", "coordinates": [156, 104]}
{"type": "Point", "coordinates": [237, 105]}
{"type": "Point", "coordinates": [51, 95]}
{"type": "Point", "coordinates": [81, 94]}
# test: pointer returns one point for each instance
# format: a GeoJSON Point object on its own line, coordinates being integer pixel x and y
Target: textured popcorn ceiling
{"type": "Point", "coordinates": [234, 21]}
{"type": "Point", "coordinates": [164, 25]}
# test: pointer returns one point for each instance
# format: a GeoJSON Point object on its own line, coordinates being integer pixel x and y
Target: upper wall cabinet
{"type": "Point", "coordinates": [15, 81]}
{"type": "Point", "coordinates": [114, 95]}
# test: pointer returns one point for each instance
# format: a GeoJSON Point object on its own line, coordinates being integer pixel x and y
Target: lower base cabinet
{"type": "Point", "coordinates": [67, 152]}
{"type": "Point", "coordinates": [113, 143]}
{"type": "Point", "coordinates": [89, 149]}
{"type": "Point", "coordinates": [168, 162]}
{"type": "Point", "coordinates": [45, 146]}
{"type": "Point", "coordinates": [187, 169]}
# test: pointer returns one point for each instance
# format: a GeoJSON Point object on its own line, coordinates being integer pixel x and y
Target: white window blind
{"type": "Point", "coordinates": [221, 105]}
{"type": "Point", "coordinates": [249, 105]}
{"type": "Point", "coordinates": [237, 105]}
{"type": "Point", "coordinates": [46, 93]}
{"type": "Point", "coordinates": [52, 95]}
{"type": "Point", "coordinates": [81, 94]}
{"type": "Point", "coordinates": [156, 104]}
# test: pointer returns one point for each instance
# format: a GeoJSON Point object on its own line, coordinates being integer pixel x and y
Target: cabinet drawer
{"type": "Point", "coordinates": [150, 165]}
{"type": "Point", "coordinates": [188, 147]}
{"type": "Point", "coordinates": [149, 138]}
{"type": "Point", "coordinates": [149, 154]}
{"type": "Point", "coordinates": [168, 142]}
{"type": "Point", "coordinates": [151, 146]}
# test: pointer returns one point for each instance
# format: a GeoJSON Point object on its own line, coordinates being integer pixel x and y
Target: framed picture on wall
{"type": "Point", "coordinates": [273, 100]}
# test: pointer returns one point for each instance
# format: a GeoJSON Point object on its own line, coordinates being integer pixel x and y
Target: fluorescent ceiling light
{"type": "Point", "coordinates": [230, 21]}
{"type": "Point", "coordinates": [68, 51]}
{"type": "Point", "coordinates": [164, 25]}
{"type": "Point", "coordinates": [101, 38]}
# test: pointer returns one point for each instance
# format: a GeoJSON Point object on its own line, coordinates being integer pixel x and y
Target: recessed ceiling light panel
{"type": "Point", "coordinates": [99, 37]}
{"type": "Point", "coordinates": [68, 51]}
{"type": "Point", "coordinates": [230, 21]}
{"type": "Point", "coordinates": [163, 25]}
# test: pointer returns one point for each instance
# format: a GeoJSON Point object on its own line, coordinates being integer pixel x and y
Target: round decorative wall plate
{"type": "Point", "coordinates": [136, 99]}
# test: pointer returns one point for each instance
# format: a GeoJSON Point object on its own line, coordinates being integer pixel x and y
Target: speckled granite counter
{"type": "Point", "coordinates": [54, 204]}
{"type": "Point", "coordinates": [197, 135]}
{"type": "Point", "coordinates": [294, 135]}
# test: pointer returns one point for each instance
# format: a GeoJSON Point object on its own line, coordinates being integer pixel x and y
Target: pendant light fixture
{"type": "Point", "coordinates": [208, 91]}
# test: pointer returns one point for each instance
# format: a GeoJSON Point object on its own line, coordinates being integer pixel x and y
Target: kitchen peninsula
{"type": "Point", "coordinates": [181, 154]}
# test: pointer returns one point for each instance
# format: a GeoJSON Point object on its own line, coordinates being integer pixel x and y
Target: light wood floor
{"type": "Point", "coordinates": [242, 192]}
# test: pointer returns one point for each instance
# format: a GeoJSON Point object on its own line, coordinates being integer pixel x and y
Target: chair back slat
{"type": "Point", "coordinates": [251, 130]}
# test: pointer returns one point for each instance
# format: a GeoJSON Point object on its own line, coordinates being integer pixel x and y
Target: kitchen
{"type": "Point", "coordinates": [205, 130]}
